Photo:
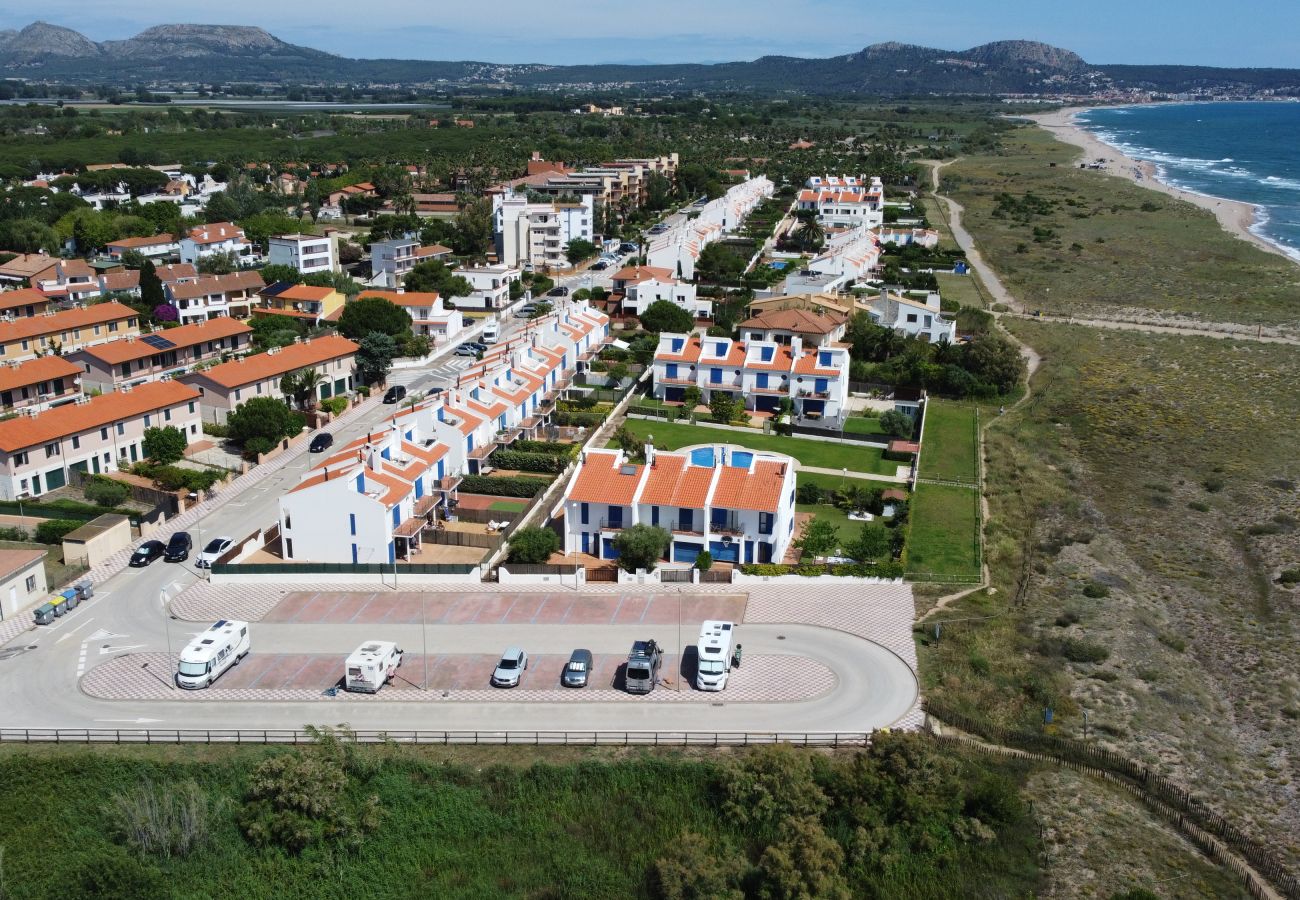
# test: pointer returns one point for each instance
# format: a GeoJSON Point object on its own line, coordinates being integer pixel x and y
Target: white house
{"type": "Point", "coordinates": [923, 320]}
{"type": "Point", "coordinates": [371, 501]}
{"type": "Point", "coordinates": [430, 315]}
{"type": "Point", "coordinates": [211, 296]}
{"type": "Point", "coordinates": [757, 374]}
{"type": "Point", "coordinates": [844, 201]}
{"type": "Point", "coordinates": [738, 504]}
{"type": "Point", "coordinates": [491, 287]}
{"type": "Point", "coordinates": [643, 285]}
{"type": "Point", "coordinates": [219, 237]}
{"type": "Point", "coordinates": [536, 234]}
{"type": "Point", "coordinates": [903, 237]}
{"type": "Point", "coordinates": [677, 249]}
{"type": "Point", "coordinates": [310, 254]}
{"type": "Point", "coordinates": [160, 246]}
{"type": "Point", "coordinates": [390, 261]}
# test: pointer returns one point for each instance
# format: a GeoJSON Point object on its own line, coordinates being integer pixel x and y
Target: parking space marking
{"type": "Point", "coordinates": [545, 600]}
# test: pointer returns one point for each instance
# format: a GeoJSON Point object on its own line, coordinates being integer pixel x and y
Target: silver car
{"type": "Point", "coordinates": [577, 671]}
{"type": "Point", "coordinates": [511, 667]}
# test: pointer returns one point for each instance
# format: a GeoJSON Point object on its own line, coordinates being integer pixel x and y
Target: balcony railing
{"type": "Point", "coordinates": [771, 389]}
{"type": "Point", "coordinates": [731, 526]}
{"type": "Point", "coordinates": [612, 524]}
{"type": "Point", "coordinates": [692, 527]}
{"type": "Point", "coordinates": [450, 483]}
{"type": "Point", "coordinates": [483, 452]}
{"type": "Point", "coordinates": [677, 379]}
{"type": "Point", "coordinates": [427, 504]}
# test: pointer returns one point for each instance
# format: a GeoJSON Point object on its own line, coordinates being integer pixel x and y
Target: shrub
{"type": "Point", "coordinates": [335, 405]}
{"type": "Point", "coordinates": [533, 545]}
{"type": "Point", "coordinates": [164, 445]}
{"type": "Point", "coordinates": [775, 781]}
{"type": "Point", "coordinates": [1067, 618]}
{"type": "Point", "coordinates": [578, 419]}
{"type": "Point", "coordinates": [502, 487]}
{"type": "Point", "coordinates": [261, 417]}
{"type": "Point", "coordinates": [104, 491]}
{"type": "Point", "coordinates": [256, 446]}
{"type": "Point", "coordinates": [641, 547]}
{"type": "Point", "coordinates": [722, 408]}
{"type": "Point", "coordinates": [162, 820]}
{"type": "Point", "coordinates": [529, 462]}
{"type": "Point", "coordinates": [215, 430]}
{"type": "Point", "coordinates": [810, 492]}
{"type": "Point", "coordinates": [51, 531]}
{"type": "Point", "coordinates": [767, 570]}
{"type": "Point", "coordinates": [14, 534]}
{"type": "Point", "coordinates": [692, 869]}
{"type": "Point", "coordinates": [297, 800]}
{"type": "Point", "coordinates": [552, 447]}
{"type": "Point", "coordinates": [1289, 577]}
{"type": "Point", "coordinates": [1199, 506]}
{"type": "Point", "coordinates": [1084, 651]}
{"type": "Point", "coordinates": [704, 561]}
{"type": "Point", "coordinates": [109, 874]}
{"type": "Point", "coordinates": [1096, 590]}
{"type": "Point", "coordinates": [1213, 484]}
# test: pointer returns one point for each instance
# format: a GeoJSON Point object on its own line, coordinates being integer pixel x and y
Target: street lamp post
{"type": "Point", "coordinates": [167, 629]}
{"type": "Point", "coordinates": [424, 635]}
{"type": "Point", "coordinates": [680, 662]}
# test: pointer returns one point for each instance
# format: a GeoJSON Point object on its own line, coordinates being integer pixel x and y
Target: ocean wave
{"type": "Point", "coordinates": [1286, 184]}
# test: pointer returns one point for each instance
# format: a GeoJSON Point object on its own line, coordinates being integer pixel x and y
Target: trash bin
{"type": "Point", "coordinates": [60, 604]}
{"type": "Point", "coordinates": [44, 614]}
{"type": "Point", "coordinates": [71, 599]}
{"type": "Point", "coordinates": [85, 589]}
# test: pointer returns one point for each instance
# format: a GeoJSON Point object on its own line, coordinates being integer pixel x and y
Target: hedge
{"type": "Point", "coordinates": [502, 487]}
{"type": "Point", "coordinates": [889, 569]}
{"type": "Point", "coordinates": [51, 531]}
{"type": "Point", "coordinates": [529, 462]}
{"type": "Point", "coordinates": [174, 478]}
{"type": "Point", "coordinates": [83, 512]}
{"type": "Point", "coordinates": [578, 419]}
{"type": "Point", "coordinates": [552, 447]}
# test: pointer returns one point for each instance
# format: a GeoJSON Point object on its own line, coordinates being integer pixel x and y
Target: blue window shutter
{"type": "Point", "coordinates": [654, 515]}
{"type": "Point", "coordinates": [671, 370]}
{"type": "Point", "coordinates": [361, 484]}
{"type": "Point", "coordinates": [397, 515]}
{"type": "Point", "coordinates": [762, 379]}
{"type": "Point", "coordinates": [354, 554]}
{"type": "Point", "coordinates": [821, 384]}
{"type": "Point", "coordinates": [352, 526]}
{"type": "Point", "coordinates": [586, 514]}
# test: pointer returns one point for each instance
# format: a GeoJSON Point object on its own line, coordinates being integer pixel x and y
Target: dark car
{"type": "Point", "coordinates": [577, 671]}
{"type": "Point", "coordinates": [322, 442]}
{"type": "Point", "coordinates": [600, 266]}
{"type": "Point", "coordinates": [476, 346]}
{"type": "Point", "coordinates": [395, 394]}
{"type": "Point", "coordinates": [178, 547]}
{"type": "Point", "coordinates": [147, 553]}
{"type": "Point", "coordinates": [560, 291]}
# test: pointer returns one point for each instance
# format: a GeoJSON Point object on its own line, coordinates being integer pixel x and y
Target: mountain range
{"type": "Point", "coordinates": [166, 54]}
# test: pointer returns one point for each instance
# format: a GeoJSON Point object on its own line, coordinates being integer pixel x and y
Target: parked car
{"type": "Point", "coordinates": [214, 549]}
{"type": "Point", "coordinates": [560, 291]}
{"type": "Point", "coordinates": [322, 442]}
{"type": "Point", "coordinates": [628, 247]}
{"type": "Point", "coordinates": [478, 346]}
{"type": "Point", "coordinates": [395, 394]}
{"type": "Point", "coordinates": [600, 266]}
{"type": "Point", "coordinates": [178, 547]}
{"type": "Point", "coordinates": [577, 671]}
{"type": "Point", "coordinates": [147, 553]}
{"type": "Point", "coordinates": [512, 665]}
{"type": "Point", "coordinates": [465, 350]}
{"type": "Point", "coordinates": [526, 311]}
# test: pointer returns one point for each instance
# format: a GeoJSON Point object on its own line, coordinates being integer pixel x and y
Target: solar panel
{"type": "Point", "coordinates": [157, 341]}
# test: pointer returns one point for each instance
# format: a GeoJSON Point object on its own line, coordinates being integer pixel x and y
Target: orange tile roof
{"type": "Point", "coordinates": [735, 356]}
{"type": "Point", "coordinates": [305, 292]}
{"type": "Point", "coordinates": [261, 366]}
{"type": "Point", "coordinates": [782, 361]}
{"type": "Point", "coordinates": [808, 365]}
{"type": "Point", "coordinates": [800, 320]}
{"type": "Point", "coordinates": [418, 299]}
{"type": "Point", "coordinates": [218, 284]}
{"type": "Point", "coordinates": [674, 482]}
{"type": "Point", "coordinates": [637, 274]}
{"type": "Point", "coordinates": [25, 265]}
{"type": "Point", "coordinates": [175, 272]}
{"type": "Point", "coordinates": [120, 281]}
{"type": "Point", "coordinates": [22, 297]}
{"type": "Point", "coordinates": [468, 420]}
{"type": "Point", "coordinates": [78, 418]}
{"type": "Point", "coordinates": [216, 233]}
{"type": "Point", "coordinates": [68, 268]}
{"type": "Point", "coordinates": [80, 317]}
{"type": "Point", "coordinates": [602, 480]}
{"type": "Point", "coordinates": [131, 243]}
{"type": "Point", "coordinates": [690, 352]}
{"type": "Point", "coordinates": [759, 490]}
{"type": "Point", "coordinates": [433, 250]}
{"type": "Point", "coordinates": [34, 371]}
{"type": "Point", "coordinates": [120, 351]}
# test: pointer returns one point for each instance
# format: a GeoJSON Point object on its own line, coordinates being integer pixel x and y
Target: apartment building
{"type": "Point", "coordinates": [40, 382]}
{"type": "Point", "coordinates": [172, 351]}
{"type": "Point", "coordinates": [430, 316]}
{"type": "Point", "coordinates": [371, 501]}
{"type": "Point", "coordinates": [922, 319]}
{"type": "Point", "coordinates": [22, 268]}
{"type": "Point", "coordinates": [390, 261]}
{"type": "Point", "coordinates": [757, 374]}
{"type": "Point", "coordinates": [536, 234]}
{"type": "Point", "coordinates": [677, 249]}
{"type": "Point", "coordinates": [845, 201]}
{"type": "Point", "coordinates": [213, 296]}
{"type": "Point", "coordinates": [737, 504]}
{"type": "Point", "coordinates": [225, 386]}
{"type": "Point", "coordinates": [310, 254]}
{"type": "Point", "coordinates": [160, 246]}
{"type": "Point", "coordinates": [22, 302]}
{"type": "Point", "coordinates": [92, 435]}
{"type": "Point", "coordinates": [218, 237]}
{"type": "Point", "coordinates": [491, 287]}
{"type": "Point", "coordinates": [641, 286]}
{"type": "Point", "coordinates": [66, 331]}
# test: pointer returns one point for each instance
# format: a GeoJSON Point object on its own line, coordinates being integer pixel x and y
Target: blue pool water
{"type": "Point", "coordinates": [702, 456]}
{"type": "Point", "coordinates": [741, 459]}
{"type": "Point", "coordinates": [778, 265]}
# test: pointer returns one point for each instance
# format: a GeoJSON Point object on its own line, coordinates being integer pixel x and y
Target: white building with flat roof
{"type": "Point", "coordinates": [537, 234]}
{"type": "Point", "coordinates": [310, 254]}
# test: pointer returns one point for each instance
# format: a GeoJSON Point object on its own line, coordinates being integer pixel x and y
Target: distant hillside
{"type": "Point", "coordinates": [207, 53]}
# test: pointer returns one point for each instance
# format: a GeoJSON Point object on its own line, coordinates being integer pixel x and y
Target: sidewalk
{"type": "Point", "coordinates": [842, 473]}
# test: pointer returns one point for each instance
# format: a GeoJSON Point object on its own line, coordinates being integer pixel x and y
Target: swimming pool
{"type": "Point", "coordinates": [702, 456]}
{"type": "Point", "coordinates": [741, 459]}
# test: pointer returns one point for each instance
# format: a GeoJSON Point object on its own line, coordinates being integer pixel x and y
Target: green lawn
{"type": "Point", "coordinates": [862, 425]}
{"type": "Point", "coordinates": [508, 505]}
{"type": "Point", "coordinates": [965, 289]}
{"type": "Point", "coordinates": [672, 435]}
{"type": "Point", "coordinates": [945, 531]}
{"type": "Point", "coordinates": [948, 451]}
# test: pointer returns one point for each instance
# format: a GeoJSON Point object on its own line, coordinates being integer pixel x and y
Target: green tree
{"type": "Point", "coordinates": [820, 538]}
{"type": "Point", "coordinates": [896, 423]}
{"type": "Point", "coordinates": [368, 315]}
{"type": "Point", "coordinates": [280, 272]}
{"type": "Point", "coordinates": [658, 192]}
{"type": "Point", "coordinates": [220, 208]}
{"type": "Point", "coordinates": [872, 542]}
{"type": "Point", "coordinates": [260, 417]}
{"type": "Point", "coordinates": [641, 547]}
{"type": "Point", "coordinates": [719, 263]}
{"type": "Point", "coordinates": [436, 276]}
{"type": "Point", "coordinates": [804, 863]}
{"type": "Point", "coordinates": [665, 315]}
{"type": "Point", "coordinates": [704, 561]}
{"type": "Point", "coordinates": [164, 445]}
{"type": "Point", "coordinates": [220, 263]}
{"type": "Point", "coordinates": [769, 785]}
{"type": "Point", "coordinates": [691, 398]}
{"type": "Point", "coordinates": [722, 408]}
{"type": "Point", "coordinates": [474, 228]}
{"type": "Point", "coordinates": [375, 354]}
{"type": "Point", "coordinates": [151, 287]}
{"type": "Point", "coordinates": [579, 249]}
{"type": "Point", "coordinates": [106, 492]}
{"type": "Point", "coordinates": [301, 386]}
{"type": "Point", "coordinates": [533, 545]}
{"type": "Point", "coordinates": [693, 870]}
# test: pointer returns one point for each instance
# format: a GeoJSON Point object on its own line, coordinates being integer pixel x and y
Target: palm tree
{"type": "Point", "coordinates": [300, 387]}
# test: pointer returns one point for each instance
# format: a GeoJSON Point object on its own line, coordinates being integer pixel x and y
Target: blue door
{"type": "Point", "coordinates": [685, 553]}
{"type": "Point", "coordinates": [749, 551]}
{"type": "Point", "coordinates": [609, 551]}
{"type": "Point", "coordinates": [586, 543]}
{"type": "Point", "coordinates": [725, 552]}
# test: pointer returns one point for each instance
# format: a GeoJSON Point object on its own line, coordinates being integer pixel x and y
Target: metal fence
{"type": "Point", "coordinates": [533, 738]}
{"type": "Point", "coordinates": [290, 570]}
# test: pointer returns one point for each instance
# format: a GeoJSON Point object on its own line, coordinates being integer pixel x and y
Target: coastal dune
{"type": "Point", "coordinates": [1234, 216]}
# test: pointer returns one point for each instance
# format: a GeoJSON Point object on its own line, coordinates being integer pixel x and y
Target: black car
{"type": "Point", "coordinates": [395, 394]}
{"type": "Point", "coordinates": [179, 547]}
{"type": "Point", "coordinates": [321, 442]}
{"type": "Point", "coordinates": [560, 291]}
{"type": "Point", "coordinates": [147, 553]}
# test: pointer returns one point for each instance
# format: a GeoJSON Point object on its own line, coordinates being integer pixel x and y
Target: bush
{"type": "Point", "coordinates": [1067, 618]}
{"type": "Point", "coordinates": [1096, 590]}
{"type": "Point", "coordinates": [109, 875]}
{"type": "Point", "coordinates": [256, 446]}
{"type": "Point", "coordinates": [529, 462]}
{"type": "Point", "coordinates": [216, 430]}
{"type": "Point", "coordinates": [335, 405]}
{"type": "Point", "coordinates": [164, 445]}
{"type": "Point", "coordinates": [552, 447]}
{"type": "Point", "coordinates": [261, 417]}
{"type": "Point", "coordinates": [1213, 484]}
{"type": "Point", "coordinates": [166, 821]}
{"type": "Point", "coordinates": [502, 487]}
{"type": "Point", "coordinates": [810, 492]}
{"type": "Point", "coordinates": [103, 491]}
{"type": "Point", "coordinates": [297, 800]}
{"type": "Point", "coordinates": [533, 545]}
{"type": "Point", "coordinates": [722, 408]}
{"type": "Point", "coordinates": [51, 531]}
{"type": "Point", "coordinates": [578, 419]}
{"type": "Point", "coordinates": [641, 547]}
{"type": "Point", "coordinates": [1289, 577]}
{"type": "Point", "coordinates": [704, 561]}
{"type": "Point", "coordinates": [1084, 651]}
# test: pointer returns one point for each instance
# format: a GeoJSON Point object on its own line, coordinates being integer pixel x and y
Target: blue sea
{"type": "Point", "coordinates": [1238, 151]}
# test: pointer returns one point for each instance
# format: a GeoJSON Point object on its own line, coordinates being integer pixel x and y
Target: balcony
{"type": "Point", "coordinates": [691, 527]}
{"type": "Point", "coordinates": [411, 527]}
{"type": "Point", "coordinates": [731, 526]}
{"type": "Point", "coordinates": [678, 379]}
{"type": "Point", "coordinates": [725, 384]}
{"type": "Point", "coordinates": [427, 504]}
{"type": "Point", "coordinates": [778, 389]}
{"type": "Point", "coordinates": [483, 452]}
{"type": "Point", "coordinates": [612, 524]}
{"type": "Point", "coordinates": [450, 483]}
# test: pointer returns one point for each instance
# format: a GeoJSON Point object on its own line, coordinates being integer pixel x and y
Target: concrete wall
{"type": "Point", "coordinates": [101, 547]}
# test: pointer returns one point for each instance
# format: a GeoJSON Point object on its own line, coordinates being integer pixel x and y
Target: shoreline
{"type": "Point", "coordinates": [1236, 217]}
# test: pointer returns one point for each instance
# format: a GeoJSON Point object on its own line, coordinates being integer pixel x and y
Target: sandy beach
{"type": "Point", "coordinates": [1235, 216]}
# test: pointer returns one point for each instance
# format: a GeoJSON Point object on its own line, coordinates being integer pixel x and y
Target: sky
{"type": "Point", "coordinates": [1201, 32]}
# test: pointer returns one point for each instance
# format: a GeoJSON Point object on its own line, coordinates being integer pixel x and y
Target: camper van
{"type": "Point", "coordinates": [490, 332]}
{"type": "Point", "coordinates": [211, 653]}
{"type": "Point", "coordinates": [371, 666]}
{"type": "Point", "coordinates": [714, 648]}
{"type": "Point", "coordinates": [643, 667]}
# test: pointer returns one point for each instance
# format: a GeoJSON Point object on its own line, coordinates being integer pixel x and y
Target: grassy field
{"type": "Point", "coordinates": [965, 289]}
{"type": "Point", "coordinates": [944, 531]}
{"type": "Point", "coordinates": [948, 452]}
{"type": "Point", "coordinates": [864, 425]}
{"type": "Point", "coordinates": [1105, 246]}
{"type": "Point", "coordinates": [822, 454]}
{"type": "Point", "coordinates": [595, 823]}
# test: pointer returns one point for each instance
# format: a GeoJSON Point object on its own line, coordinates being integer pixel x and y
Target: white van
{"type": "Point", "coordinates": [490, 332]}
{"type": "Point", "coordinates": [714, 649]}
{"type": "Point", "coordinates": [211, 653]}
{"type": "Point", "coordinates": [371, 666]}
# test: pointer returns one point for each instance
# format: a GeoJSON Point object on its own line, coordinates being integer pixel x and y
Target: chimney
{"type": "Point", "coordinates": [650, 450]}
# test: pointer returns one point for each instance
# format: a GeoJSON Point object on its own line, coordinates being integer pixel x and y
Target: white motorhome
{"type": "Point", "coordinates": [371, 666]}
{"type": "Point", "coordinates": [714, 649]}
{"type": "Point", "coordinates": [490, 332]}
{"type": "Point", "coordinates": [211, 653]}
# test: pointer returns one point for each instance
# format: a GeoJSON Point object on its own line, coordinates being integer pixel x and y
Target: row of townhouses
{"type": "Point", "coordinates": [844, 201]}
{"type": "Point", "coordinates": [755, 373]}
{"type": "Point", "coordinates": [677, 248]}
{"type": "Point", "coordinates": [737, 504]}
{"type": "Point", "coordinates": [373, 500]}
{"type": "Point", "coordinates": [636, 287]}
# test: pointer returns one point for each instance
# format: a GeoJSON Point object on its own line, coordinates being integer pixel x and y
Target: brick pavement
{"type": "Point", "coordinates": [761, 679]}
